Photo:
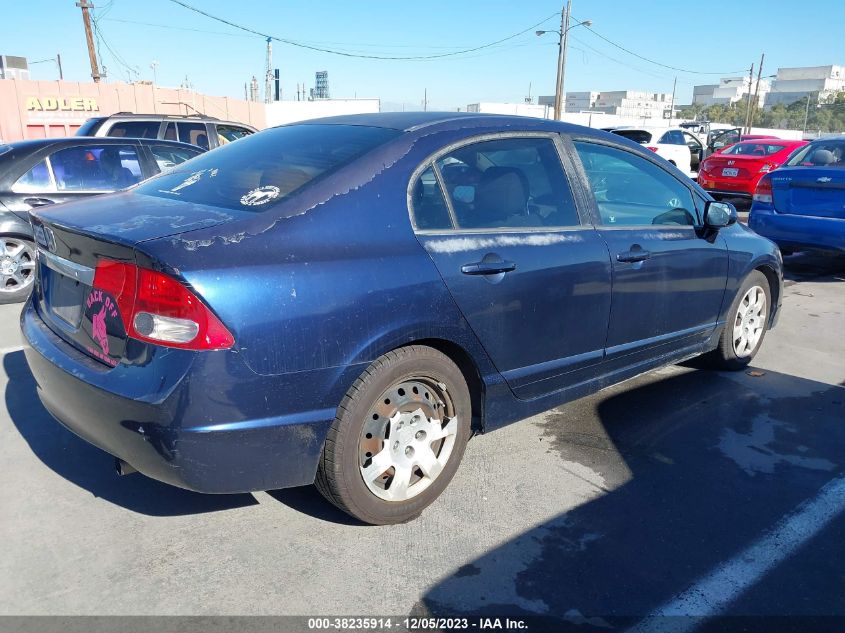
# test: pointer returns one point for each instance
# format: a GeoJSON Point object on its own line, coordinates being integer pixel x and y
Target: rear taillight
{"type": "Point", "coordinates": [767, 167]}
{"type": "Point", "coordinates": [763, 192]}
{"type": "Point", "coordinates": [651, 147]}
{"type": "Point", "coordinates": [159, 309]}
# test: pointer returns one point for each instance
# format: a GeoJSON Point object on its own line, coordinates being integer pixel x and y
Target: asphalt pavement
{"type": "Point", "coordinates": [683, 492]}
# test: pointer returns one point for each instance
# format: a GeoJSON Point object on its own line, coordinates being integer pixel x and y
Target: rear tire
{"type": "Point", "coordinates": [397, 438]}
{"type": "Point", "coordinates": [17, 268]}
{"type": "Point", "coordinates": [746, 325]}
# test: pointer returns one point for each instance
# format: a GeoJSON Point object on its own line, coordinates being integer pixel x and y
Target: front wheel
{"type": "Point", "coordinates": [17, 268]}
{"type": "Point", "coordinates": [746, 326]}
{"type": "Point", "coordinates": [398, 436]}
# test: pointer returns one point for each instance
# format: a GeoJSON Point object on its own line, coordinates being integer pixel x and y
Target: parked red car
{"type": "Point", "coordinates": [735, 171]}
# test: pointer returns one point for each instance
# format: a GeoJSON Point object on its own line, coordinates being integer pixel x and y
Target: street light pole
{"type": "Point", "coordinates": [561, 55]}
{"type": "Point", "coordinates": [561, 59]}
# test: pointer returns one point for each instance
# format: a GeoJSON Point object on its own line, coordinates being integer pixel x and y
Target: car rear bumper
{"type": "Point", "coordinates": [724, 193]}
{"type": "Point", "coordinates": [799, 232]}
{"type": "Point", "coordinates": [179, 439]}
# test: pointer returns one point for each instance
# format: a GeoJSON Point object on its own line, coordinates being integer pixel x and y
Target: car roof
{"type": "Point", "coordinates": [38, 143]}
{"type": "Point", "coordinates": [410, 121]}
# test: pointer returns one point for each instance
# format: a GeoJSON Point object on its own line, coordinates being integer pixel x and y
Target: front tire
{"type": "Point", "coordinates": [398, 437]}
{"type": "Point", "coordinates": [746, 326]}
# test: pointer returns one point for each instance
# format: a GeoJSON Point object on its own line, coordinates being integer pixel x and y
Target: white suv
{"type": "Point", "coordinates": [202, 131]}
{"type": "Point", "coordinates": [678, 146]}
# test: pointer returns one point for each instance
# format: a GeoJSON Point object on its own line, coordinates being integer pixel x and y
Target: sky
{"type": "Point", "coordinates": [713, 39]}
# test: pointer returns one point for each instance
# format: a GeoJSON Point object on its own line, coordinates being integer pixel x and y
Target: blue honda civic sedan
{"type": "Point", "coordinates": [801, 206]}
{"type": "Point", "coordinates": [346, 301]}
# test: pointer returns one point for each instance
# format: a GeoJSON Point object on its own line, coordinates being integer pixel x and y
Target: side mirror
{"type": "Point", "coordinates": [718, 215]}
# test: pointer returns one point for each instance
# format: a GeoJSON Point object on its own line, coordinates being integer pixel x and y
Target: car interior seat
{"type": "Point", "coordinates": [501, 195]}
{"type": "Point", "coordinates": [822, 157]}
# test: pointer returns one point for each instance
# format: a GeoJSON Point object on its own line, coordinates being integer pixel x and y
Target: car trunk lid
{"type": "Point", "coordinates": [728, 165]}
{"type": "Point", "coordinates": [64, 292]}
{"type": "Point", "coordinates": [809, 191]}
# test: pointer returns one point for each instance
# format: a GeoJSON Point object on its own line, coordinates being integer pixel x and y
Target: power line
{"type": "Point", "coordinates": [651, 61]}
{"type": "Point", "coordinates": [359, 55]}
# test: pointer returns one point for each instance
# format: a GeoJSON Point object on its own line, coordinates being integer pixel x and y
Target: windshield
{"type": "Point", "coordinates": [754, 149]}
{"type": "Point", "coordinates": [638, 136]}
{"type": "Point", "coordinates": [266, 167]}
{"type": "Point", "coordinates": [820, 154]}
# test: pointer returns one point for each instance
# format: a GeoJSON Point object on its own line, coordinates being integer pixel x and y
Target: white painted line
{"type": "Point", "coordinates": [9, 350]}
{"type": "Point", "coordinates": [710, 595]}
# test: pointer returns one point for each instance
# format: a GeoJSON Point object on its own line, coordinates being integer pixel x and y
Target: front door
{"type": "Point", "coordinates": [531, 280]}
{"type": "Point", "coordinates": [669, 277]}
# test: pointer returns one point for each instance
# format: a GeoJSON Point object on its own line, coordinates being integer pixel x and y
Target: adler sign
{"type": "Point", "coordinates": [61, 104]}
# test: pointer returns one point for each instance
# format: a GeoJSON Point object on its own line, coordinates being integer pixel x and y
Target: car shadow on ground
{"type": "Point", "coordinates": [90, 468]}
{"type": "Point", "coordinates": [805, 266]}
{"type": "Point", "coordinates": [692, 469]}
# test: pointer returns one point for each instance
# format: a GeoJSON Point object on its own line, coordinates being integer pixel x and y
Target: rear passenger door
{"type": "Point", "coordinates": [669, 274]}
{"type": "Point", "coordinates": [499, 220]}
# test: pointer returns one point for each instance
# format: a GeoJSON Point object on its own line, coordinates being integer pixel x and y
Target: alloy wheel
{"type": "Point", "coordinates": [17, 264]}
{"type": "Point", "coordinates": [749, 322]}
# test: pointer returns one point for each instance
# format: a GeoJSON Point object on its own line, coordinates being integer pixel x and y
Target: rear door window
{"type": "Point", "coordinates": [96, 167]}
{"type": "Point", "coordinates": [193, 133]}
{"type": "Point", "coordinates": [265, 168]}
{"type": "Point", "coordinates": [638, 136]}
{"type": "Point", "coordinates": [167, 157]}
{"type": "Point", "coordinates": [508, 183]}
{"type": "Point", "coordinates": [36, 180]}
{"type": "Point", "coordinates": [430, 210]}
{"type": "Point", "coordinates": [229, 133]}
{"type": "Point", "coordinates": [135, 129]}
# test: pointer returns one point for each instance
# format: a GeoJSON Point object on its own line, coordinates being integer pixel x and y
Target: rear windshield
{"type": "Point", "coordinates": [90, 127]}
{"type": "Point", "coordinates": [638, 136]}
{"type": "Point", "coordinates": [820, 154]}
{"type": "Point", "coordinates": [266, 167]}
{"type": "Point", "coordinates": [753, 149]}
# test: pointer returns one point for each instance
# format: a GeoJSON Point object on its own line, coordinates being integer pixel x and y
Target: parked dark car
{"type": "Point", "coordinates": [801, 206]}
{"type": "Point", "coordinates": [49, 171]}
{"type": "Point", "coordinates": [347, 300]}
{"type": "Point", "coordinates": [203, 131]}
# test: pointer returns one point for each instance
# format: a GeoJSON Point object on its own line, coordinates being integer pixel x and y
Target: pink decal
{"type": "Point", "coordinates": [98, 322]}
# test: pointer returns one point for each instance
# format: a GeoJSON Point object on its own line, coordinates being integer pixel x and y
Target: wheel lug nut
{"type": "Point", "coordinates": [420, 435]}
{"type": "Point", "coordinates": [395, 445]}
{"type": "Point", "coordinates": [409, 451]}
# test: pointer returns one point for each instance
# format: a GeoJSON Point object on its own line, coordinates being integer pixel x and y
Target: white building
{"type": "Point", "coordinates": [626, 103]}
{"type": "Point", "coordinates": [794, 84]}
{"type": "Point", "coordinates": [521, 109]}
{"type": "Point", "coordinates": [730, 90]}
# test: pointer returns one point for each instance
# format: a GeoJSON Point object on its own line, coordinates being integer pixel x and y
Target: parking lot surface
{"type": "Point", "coordinates": [680, 492]}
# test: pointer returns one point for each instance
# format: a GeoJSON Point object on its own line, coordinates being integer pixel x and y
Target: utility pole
{"type": "Point", "coordinates": [806, 114]}
{"type": "Point", "coordinates": [672, 106]}
{"type": "Point", "coordinates": [561, 59]}
{"type": "Point", "coordinates": [748, 100]}
{"type": "Point", "coordinates": [756, 93]}
{"type": "Point", "coordinates": [59, 63]}
{"type": "Point", "coordinates": [85, 5]}
{"type": "Point", "coordinates": [425, 100]}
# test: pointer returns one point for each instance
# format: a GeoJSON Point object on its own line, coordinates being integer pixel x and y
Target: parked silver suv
{"type": "Point", "coordinates": [204, 131]}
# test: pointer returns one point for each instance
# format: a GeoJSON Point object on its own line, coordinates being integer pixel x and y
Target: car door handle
{"type": "Point", "coordinates": [634, 255]}
{"type": "Point", "coordinates": [37, 202]}
{"type": "Point", "coordinates": [488, 268]}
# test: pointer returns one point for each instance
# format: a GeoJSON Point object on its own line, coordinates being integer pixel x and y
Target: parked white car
{"type": "Point", "coordinates": [680, 147]}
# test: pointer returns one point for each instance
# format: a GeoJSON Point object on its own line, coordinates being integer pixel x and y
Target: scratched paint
{"type": "Point", "coordinates": [462, 244]}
